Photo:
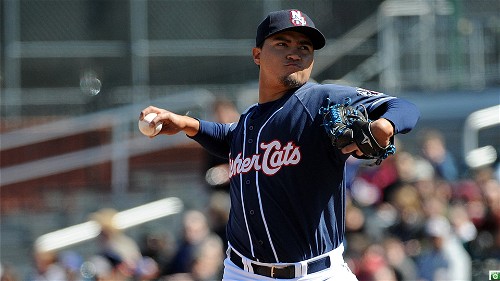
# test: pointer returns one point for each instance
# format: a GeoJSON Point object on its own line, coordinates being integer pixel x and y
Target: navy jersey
{"type": "Point", "coordinates": [287, 190]}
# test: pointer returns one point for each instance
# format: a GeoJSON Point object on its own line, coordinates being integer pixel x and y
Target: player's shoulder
{"type": "Point", "coordinates": [311, 96]}
{"type": "Point", "coordinates": [340, 89]}
{"type": "Point", "coordinates": [336, 92]}
{"type": "Point", "coordinates": [328, 87]}
{"type": "Point", "coordinates": [312, 92]}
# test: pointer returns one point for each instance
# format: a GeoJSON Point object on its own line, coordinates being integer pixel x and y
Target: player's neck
{"type": "Point", "coordinates": [269, 98]}
{"type": "Point", "coordinates": [269, 93]}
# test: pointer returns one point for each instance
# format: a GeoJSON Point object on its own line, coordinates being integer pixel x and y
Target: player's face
{"type": "Point", "coordinates": [285, 58]}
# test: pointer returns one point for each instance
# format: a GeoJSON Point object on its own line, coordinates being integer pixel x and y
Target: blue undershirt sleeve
{"type": "Point", "coordinates": [402, 113]}
{"type": "Point", "coordinates": [214, 137]}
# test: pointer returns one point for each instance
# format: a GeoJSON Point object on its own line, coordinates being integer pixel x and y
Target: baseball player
{"type": "Point", "coordinates": [287, 218]}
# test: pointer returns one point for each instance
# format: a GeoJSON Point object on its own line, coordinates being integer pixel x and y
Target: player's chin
{"type": "Point", "coordinates": [293, 81]}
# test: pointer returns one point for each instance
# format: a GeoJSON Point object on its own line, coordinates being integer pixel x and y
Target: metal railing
{"type": "Point", "coordinates": [75, 234]}
{"type": "Point", "coordinates": [476, 155]}
{"type": "Point", "coordinates": [126, 142]}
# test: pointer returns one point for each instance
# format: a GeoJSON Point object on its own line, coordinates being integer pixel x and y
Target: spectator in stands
{"type": "Point", "coordinates": [8, 272]}
{"type": "Point", "coordinates": [373, 265]}
{"type": "Point", "coordinates": [158, 246]}
{"type": "Point", "coordinates": [432, 263]}
{"type": "Point", "coordinates": [433, 148]}
{"type": "Point", "coordinates": [71, 262]}
{"type": "Point", "coordinates": [490, 190]}
{"type": "Point", "coordinates": [109, 266]}
{"type": "Point", "coordinates": [113, 242]}
{"type": "Point", "coordinates": [447, 258]}
{"type": "Point", "coordinates": [196, 232]}
{"type": "Point", "coordinates": [47, 267]}
{"type": "Point", "coordinates": [217, 169]}
{"type": "Point", "coordinates": [208, 260]}
{"type": "Point", "coordinates": [410, 207]}
{"type": "Point", "coordinates": [404, 267]}
{"type": "Point", "coordinates": [424, 178]}
{"type": "Point", "coordinates": [106, 266]}
{"type": "Point", "coordinates": [462, 224]}
{"type": "Point", "coordinates": [383, 177]}
{"type": "Point", "coordinates": [218, 214]}
{"type": "Point", "coordinates": [409, 213]}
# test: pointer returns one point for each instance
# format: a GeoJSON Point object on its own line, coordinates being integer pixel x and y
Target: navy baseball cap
{"type": "Point", "coordinates": [294, 20]}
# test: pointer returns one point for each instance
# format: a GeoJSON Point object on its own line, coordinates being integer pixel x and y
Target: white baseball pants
{"type": "Point", "coordinates": [338, 270]}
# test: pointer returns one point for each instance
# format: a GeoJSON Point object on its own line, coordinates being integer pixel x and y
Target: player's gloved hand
{"type": "Point", "coordinates": [345, 125]}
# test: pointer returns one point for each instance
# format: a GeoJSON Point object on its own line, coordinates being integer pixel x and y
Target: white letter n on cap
{"type": "Point", "coordinates": [297, 19]}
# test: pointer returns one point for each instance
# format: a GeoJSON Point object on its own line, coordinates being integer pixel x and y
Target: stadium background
{"type": "Point", "coordinates": [66, 152]}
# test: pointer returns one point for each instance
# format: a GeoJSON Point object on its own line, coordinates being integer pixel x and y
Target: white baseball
{"type": "Point", "coordinates": [146, 129]}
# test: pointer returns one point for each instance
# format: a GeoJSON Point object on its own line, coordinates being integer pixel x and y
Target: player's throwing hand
{"type": "Point", "coordinates": [172, 123]}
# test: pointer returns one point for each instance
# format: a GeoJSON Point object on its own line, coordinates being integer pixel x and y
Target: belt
{"type": "Point", "coordinates": [280, 271]}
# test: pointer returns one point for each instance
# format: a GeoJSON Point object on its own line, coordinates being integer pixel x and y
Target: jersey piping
{"type": "Point", "coordinates": [258, 187]}
{"type": "Point", "coordinates": [241, 189]}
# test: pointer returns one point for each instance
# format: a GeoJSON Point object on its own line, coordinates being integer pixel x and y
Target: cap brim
{"type": "Point", "coordinates": [317, 38]}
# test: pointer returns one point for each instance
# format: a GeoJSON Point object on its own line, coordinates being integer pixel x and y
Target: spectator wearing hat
{"type": "Point", "coordinates": [446, 259]}
{"type": "Point", "coordinates": [113, 242]}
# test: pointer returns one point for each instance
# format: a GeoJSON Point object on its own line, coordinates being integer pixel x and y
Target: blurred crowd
{"type": "Point", "coordinates": [415, 217]}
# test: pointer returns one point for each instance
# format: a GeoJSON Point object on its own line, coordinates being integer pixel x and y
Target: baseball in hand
{"type": "Point", "coordinates": [146, 129]}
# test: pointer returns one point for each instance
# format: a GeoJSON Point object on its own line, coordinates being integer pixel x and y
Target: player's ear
{"type": "Point", "coordinates": [256, 55]}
